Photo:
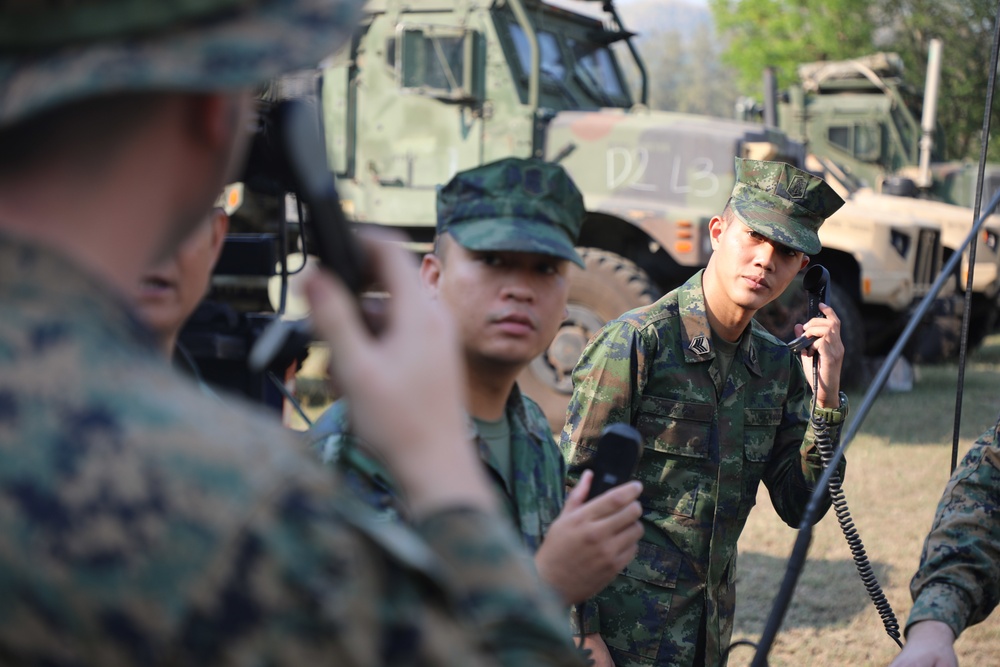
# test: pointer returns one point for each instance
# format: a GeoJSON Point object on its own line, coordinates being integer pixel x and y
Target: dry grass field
{"type": "Point", "coordinates": [897, 467]}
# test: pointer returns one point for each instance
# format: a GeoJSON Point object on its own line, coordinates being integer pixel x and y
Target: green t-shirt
{"type": "Point", "coordinates": [725, 352]}
{"type": "Point", "coordinates": [497, 437]}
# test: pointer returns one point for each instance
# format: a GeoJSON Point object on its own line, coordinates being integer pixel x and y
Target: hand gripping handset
{"type": "Point", "coordinates": [618, 452]}
{"type": "Point", "coordinates": [304, 149]}
{"type": "Point", "coordinates": [814, 282]}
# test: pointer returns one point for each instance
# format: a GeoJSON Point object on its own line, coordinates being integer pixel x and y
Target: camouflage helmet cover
{"type": "Point", "coordinates": [53, 52]}
{"type": "Point", "coordinates": [513, 204]}
{"type": "Point", "coordinates": [785, 204]}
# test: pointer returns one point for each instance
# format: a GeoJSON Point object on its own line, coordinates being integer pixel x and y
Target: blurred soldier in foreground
{"type": "Point", "coordinates": [170, 291]}
{"type": "Point", "coordinates": [958, 582]}
{"type": "Point", "coordinates": [505, 237]}
{"type": "Point", "coordinates": [722, 405]}
{"type": "Point", "coordinates": [141, 524]}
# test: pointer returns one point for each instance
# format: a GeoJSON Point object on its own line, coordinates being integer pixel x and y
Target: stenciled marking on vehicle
{"type": "Point", "coordinates": [627, 167]}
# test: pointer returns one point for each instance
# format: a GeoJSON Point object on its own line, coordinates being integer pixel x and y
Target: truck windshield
{"type": "Point", "coordinates": [551, 56]}
{"type": "Point", "coordinates": [592, 69]}
{"type": "Point", "coordinates": [595, 67]}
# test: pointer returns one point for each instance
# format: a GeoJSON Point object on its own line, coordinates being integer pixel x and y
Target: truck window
{"type": "Point", "coordinates": [435, 60]}
{"type": "Point", "coordinates": [549, 54]}
{"type": "Point", "coordinates": [839, 136]}
{"type": "Point", "coordinates": [596, 69]}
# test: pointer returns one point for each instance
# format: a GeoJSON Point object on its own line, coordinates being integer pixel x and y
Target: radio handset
{"type": "Point", "coordinates": [618, 452]}
{"type": "Point", "coordinates": [814, 282]}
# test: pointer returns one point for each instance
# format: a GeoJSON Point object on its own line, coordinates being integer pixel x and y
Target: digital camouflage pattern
{"type": "Point", "coordinates": [958, 581]}
{"type": "Point", "coordinates": [55, 52]}
{"type": "Point", "coordinates": [143, 525]}
{"type": "Point", "coordinates": [533, 499]}
{"type": "Point", "coordinates": [783, 203]}
{"type": "Point", "coordinates": [514, 204]}
{"type": "Point", "coordinates": [708, 443]}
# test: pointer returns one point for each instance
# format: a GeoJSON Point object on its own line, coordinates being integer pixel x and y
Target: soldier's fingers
{"type": "Point", "coordinates": [336, 318]}
{"type": "Point", "coordinates": [624, 519]}
{"type": "Point", "coordinates": [396, 270]}
{"type": "Point", "coordinates": [578, 495]}
{"type": "Point", "coordinates": [614, 500]}
{"type": "Point", "coordinates": [829, 313]}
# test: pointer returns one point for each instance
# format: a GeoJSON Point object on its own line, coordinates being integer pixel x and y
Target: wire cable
{"type": "Point", "coordinates": [964, 337]}
{"type": "Point", "coordinates": [824, 443]}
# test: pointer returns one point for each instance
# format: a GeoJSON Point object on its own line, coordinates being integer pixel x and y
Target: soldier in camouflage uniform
{"type": "Point", "coordinates": [722, 405]}
{"type": "Point", "coordinates": [505, 237]}
{"type": "Point", "coordinates": [958, 582]}
{"type": "Point", "coordinates": [141, 524]}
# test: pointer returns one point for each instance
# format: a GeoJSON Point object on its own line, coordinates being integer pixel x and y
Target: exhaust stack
{"type": "Point", "coordinates": [930, 113]}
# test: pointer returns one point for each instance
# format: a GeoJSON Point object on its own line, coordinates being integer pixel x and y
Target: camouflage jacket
{"type": "Point", "coordinates": [143, 525]}
{"type": "Point", "coordinates": [708, 442]}
{"type": "Point", "coordinates": [533, 501]}
{"type": "Point", "coordinates": [958, 581]}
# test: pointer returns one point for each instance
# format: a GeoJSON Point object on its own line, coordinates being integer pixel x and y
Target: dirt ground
{"type": "Point", "coordinates": [897, 468]}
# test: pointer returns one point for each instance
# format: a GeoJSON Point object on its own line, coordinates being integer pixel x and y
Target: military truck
{"type": "Point", "coordinates": [430, 87]}
{"type": "Point", "coordinates": [862, 116]}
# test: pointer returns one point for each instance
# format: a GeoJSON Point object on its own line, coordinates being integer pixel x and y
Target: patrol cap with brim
{"type": "Point", "coordinates": [516, 205]}
{"type": "Point", "coordinates": [785, 204]}
{"type": "Point", "coordinates": [54, 52]}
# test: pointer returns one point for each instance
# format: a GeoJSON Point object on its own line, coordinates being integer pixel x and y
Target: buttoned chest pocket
{"type": "Point", "coordinates": [676, 459]}
{"type": "Point", "coordinates": [759, 428]}
{"type": "Point", "coordinates": [674, 427]}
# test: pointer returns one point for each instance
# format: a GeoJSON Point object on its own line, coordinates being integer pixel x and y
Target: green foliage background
{"type": "Point", "coordinates": [784, 33]}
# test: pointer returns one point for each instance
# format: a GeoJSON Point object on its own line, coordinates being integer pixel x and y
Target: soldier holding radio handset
{"type": "Point", "coordinates": [721, 405]}
{"type": "Point", "coordinates": [505, 241]}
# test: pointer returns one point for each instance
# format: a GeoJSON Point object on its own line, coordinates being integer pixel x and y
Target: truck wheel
{"type": "Point", "coordinates": [781, 315]}
{"type": "Point", "coordinates": [606, 288]}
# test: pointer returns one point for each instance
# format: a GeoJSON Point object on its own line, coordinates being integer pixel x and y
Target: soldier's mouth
{"type": "Point", "coordinates": [756, 283]}
{"type": "Point", "coordinates": [155, 284]}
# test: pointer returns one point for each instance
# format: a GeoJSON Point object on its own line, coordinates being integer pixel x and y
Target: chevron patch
{"type": "Point", "coordinates": [699, 344]}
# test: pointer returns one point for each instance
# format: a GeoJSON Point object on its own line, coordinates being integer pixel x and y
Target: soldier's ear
{"type": "Point", "coordinates": [430, 272]}
{"type": "Point", "coordinates": [716, 226]}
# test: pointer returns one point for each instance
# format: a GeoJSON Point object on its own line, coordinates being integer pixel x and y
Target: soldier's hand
{"type": "Point", "coordinates": [928, 644]}
{"type": "Point", "coordinates": [590, 542]}
{"type": "Point", "coordinates": [826, 331]}
{"type": "Point", "coordinates": [599, 654]}
{"type": "Point", "coordinates": [404, 384]}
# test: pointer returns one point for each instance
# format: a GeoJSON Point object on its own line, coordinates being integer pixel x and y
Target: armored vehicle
{"type": "Point", "coordinates": [430, 87]}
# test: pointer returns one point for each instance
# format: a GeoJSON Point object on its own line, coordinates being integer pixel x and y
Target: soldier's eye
{"type": "Point", "coordinates": [490, 259]}
{"type": "Point", "coordinates": [791, 252]}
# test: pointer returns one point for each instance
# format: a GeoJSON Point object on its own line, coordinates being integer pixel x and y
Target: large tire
{"type": "Point", "coordinates": [781, 315]}
{"type": "Point", "coordinates": [609, 286]}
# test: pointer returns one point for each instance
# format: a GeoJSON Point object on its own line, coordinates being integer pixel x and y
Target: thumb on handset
{"type": "Point", "coordinates": [578, 495]}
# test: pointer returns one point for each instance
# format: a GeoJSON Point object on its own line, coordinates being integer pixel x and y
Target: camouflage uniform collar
{"type": "Point", "coordinates": [696, 334]}
{"type": "Point", "coordinates": [32, 272]}
{"type": "Point", "coordinates": [514, 413]}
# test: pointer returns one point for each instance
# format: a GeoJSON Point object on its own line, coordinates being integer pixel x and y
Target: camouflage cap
{"type": "Point", "coordinates": [53, 52]}
{"type": "Point", "coordinates": [785, 204]}
{"type": "Point", "coordinates": [514, 204]}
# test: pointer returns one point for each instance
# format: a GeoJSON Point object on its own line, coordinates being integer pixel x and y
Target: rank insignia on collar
{"type": "Point", "coordinates": [699, 344]}
{"type": "Point", "coordinates": [753, 355]}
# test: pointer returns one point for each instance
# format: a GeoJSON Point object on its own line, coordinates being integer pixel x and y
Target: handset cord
{"type": "Point", "coordinates": [824, 443]}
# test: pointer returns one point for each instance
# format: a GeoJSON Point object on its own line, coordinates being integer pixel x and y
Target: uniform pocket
{"type": "Point", "coordinates": [673, 427]}
{"type": "Point", "coordinates": [635, 607]}
{"type": "Point", "coordinates": [759, 427]}
{"type": "Point", "coordinates": [676, 454]}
